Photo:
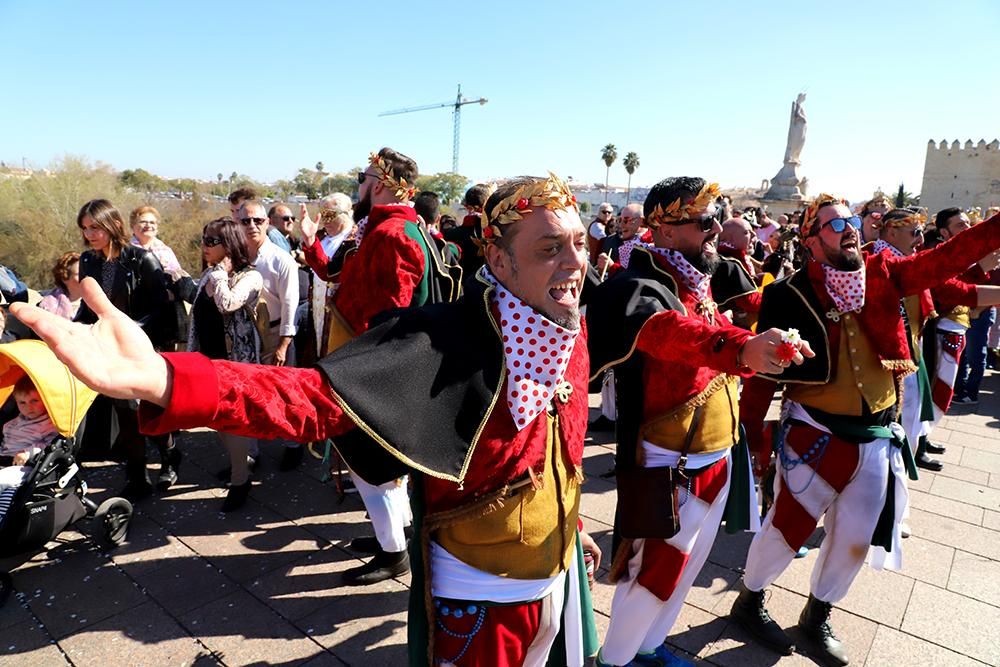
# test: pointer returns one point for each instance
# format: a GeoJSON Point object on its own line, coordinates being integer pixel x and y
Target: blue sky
{"type": "Point", "coordinates": [193, 89]}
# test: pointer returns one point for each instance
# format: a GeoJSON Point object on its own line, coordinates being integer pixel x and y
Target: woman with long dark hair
{"type": "Point", "coordinates": [135, 283]}
{"type": "Point", "coordinates": [223, 327]}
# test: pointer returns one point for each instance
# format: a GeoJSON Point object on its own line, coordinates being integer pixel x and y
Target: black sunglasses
{"type": "Point", "coordinates": [362, 176]}
{"type": "Point", "coordinates": [210, 241]}
{"type": "Point", "coordinates": [705, 224]}
{"type": "Point", "coordinates": [840, 224]}
{"type": "Point", "coordinates": [288, 218]}
{"type": "Point", "coordinates": [257, 221]}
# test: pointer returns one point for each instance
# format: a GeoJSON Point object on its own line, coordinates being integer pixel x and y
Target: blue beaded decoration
{"type": "Point", "coordinates": [814, 455]}
{"type": "Point", "coordinates": [478, 610]}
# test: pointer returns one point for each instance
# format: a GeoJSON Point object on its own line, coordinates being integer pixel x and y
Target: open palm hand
{"type": "Point", "coordinates": [113, 357]}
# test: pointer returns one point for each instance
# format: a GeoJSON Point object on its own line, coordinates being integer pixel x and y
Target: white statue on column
{"type": "Point", "coordinates": [787, 184]}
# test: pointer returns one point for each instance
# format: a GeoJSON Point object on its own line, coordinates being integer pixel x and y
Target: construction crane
{"type": "Point", "coordinates": [456, 114]}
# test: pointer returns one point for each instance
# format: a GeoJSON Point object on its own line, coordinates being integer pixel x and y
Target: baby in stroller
{"type": "Point", "coordinates": [24, 436]}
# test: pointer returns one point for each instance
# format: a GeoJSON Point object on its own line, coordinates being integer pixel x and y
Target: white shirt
{"type": "Point", "coordinates": [281, 285]}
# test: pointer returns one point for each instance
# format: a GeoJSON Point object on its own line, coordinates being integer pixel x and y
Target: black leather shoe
{"type": "Point", "coordinates": [169, 468]}
{"type": "Point", "coordinates": [751, 614]}
{"type": "Point", "coordinates": [236, 497]}
{"type": "Point", "coordinates": [384, 565]}
{"type": "Point", "coordinates": [136, 490]}
{"type": "Point", "coordinates": [927, 463]}
{"type": "Point", "coordinates": [931, 448]}
{"type": "Point", "coordinates": [291, 458]}
{"type": "Point", "coordinates": [814, 622]}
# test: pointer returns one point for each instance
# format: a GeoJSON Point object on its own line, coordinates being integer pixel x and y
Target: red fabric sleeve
{"type": "Point", "coordinates": [673, 337]}
{"type": "Point", "coordinates": [930, 268]}
{"type": "Point", "coordinates": [396, 274]}
{"type": "Point", "coordinates": [755, 401]}
{"type": "Point", "coordinates": [316, 258]}
{"type": "Point", "coordinates": [748, 302]}
{"type": "Point", "coordinates": [954, 292]}
{"type": "Point", "coordinates": [246, 399]}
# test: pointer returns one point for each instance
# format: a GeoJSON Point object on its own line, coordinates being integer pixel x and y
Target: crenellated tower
{"type": "Point", "coordinates": [961, 175]}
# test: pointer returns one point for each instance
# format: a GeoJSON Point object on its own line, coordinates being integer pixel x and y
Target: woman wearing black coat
{"type": "Point", "coordinates": [135, 283]}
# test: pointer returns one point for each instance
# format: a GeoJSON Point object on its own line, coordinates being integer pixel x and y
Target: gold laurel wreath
{"type": "Point", "coordinates": [680, 210]}
{"type": "Point", "coordinates": [916, 217]}
{"type": "Point", "coordinates": [809, 215]}
{"type": "Point", "coordinates": [404, 191]}
{"type": "Point", "coordinates": [552, 193]}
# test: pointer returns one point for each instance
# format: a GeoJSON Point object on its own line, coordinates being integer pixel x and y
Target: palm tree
{"type": "Point", "coordinates": [631, 163]}
{"type": "Point", "coordinates": [219, 176]}
{"type": "Point", "coordinates": [232, 178]}
{"type": "Point", "coordinates": [319, 167]}
{"type": "Point", "coordinates": [609, 154]}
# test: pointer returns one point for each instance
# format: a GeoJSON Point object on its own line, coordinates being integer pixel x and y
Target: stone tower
{"type": "Point", "coordinates": [962, 176]}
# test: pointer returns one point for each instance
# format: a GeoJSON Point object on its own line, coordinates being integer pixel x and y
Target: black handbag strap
{"type": "Point", "coordinates": [689, 438]}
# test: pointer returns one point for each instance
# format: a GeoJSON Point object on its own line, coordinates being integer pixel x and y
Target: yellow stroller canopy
{"type": "Point", "coordinates": [66, 398]}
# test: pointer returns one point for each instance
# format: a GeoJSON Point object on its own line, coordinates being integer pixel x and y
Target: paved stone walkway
{"type": "Point", "coordinates": [194, 586]}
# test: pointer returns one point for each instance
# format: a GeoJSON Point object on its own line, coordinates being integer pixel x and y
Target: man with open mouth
{"type": "Point", "coordinates": [841, 454]}
{"type": "Point", "coordinates": [483, 401]}
{"type": "Point", "coordinates": [677, 363]}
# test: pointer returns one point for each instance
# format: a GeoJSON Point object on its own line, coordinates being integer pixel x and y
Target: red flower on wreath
{"type": "Point", "coordinates": [488, 232]}
{"type": "Point", "coordinates": [522, 204]}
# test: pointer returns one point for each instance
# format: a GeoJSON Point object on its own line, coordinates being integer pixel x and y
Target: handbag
{"type": "Point", "coordinates": [647, 497]}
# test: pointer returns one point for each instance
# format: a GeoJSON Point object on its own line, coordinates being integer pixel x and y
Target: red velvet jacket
{"type": "Point", "coordinates": [960, 291]}
{"type": "Point", "coordinates": [297, 404]}
{"type": "Point", "coordinates": [685, 353]}
{"type": "Point", "coordinates": [887, 280]}
{"type": "Point", "coordinates": [382, 273]}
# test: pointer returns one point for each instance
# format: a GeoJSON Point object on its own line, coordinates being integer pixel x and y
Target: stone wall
{"type": "Point", "coordinates": [961, 175]}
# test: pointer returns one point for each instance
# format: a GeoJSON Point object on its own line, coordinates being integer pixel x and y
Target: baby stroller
{"type": "Point", "coordinates": [54, 495]}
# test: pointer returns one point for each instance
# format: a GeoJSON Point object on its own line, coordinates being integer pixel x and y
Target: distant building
{"type": "Point", "coordinates": [963, 176]}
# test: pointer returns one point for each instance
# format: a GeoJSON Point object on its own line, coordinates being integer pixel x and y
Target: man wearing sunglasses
{"type": "Point", "coordinates": [839, 444]}
{"type": "Point", "coordinates": [677, 363]}
{"type": "Point", "coordinates": [281, 227]}
{"type": "Point", "coordinates": [384, 269]}
{"type": "Point", "coordinates": [871, 217]}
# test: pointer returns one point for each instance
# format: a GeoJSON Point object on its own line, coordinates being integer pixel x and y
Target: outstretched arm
{"type": "Point", "coordinates": [927, 269]}
{"type": "Point", "coordinates": [113, 356]}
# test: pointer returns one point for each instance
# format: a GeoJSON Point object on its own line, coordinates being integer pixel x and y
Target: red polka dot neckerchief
{"type": "Point", "coordinates": [846, 288]}
{"type": "Point", "coordinates": [625, 251]}
{"type": "Point", "coordinates": [536, 353]}
{"type": "Point", "coordinates": [694, 281]}
{"type": "Point", "coordinates": [882, 244]}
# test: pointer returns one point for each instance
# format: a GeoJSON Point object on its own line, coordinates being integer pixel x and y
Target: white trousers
{"type": "Point", "coordinates": [640, 620]}
{"type": "Point", "coordinates": [849, 521]}
{"type": "Point", "coordinates": [388, 507]}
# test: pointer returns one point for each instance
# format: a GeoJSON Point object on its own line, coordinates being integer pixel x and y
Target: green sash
{"type": "Point", "coordinates": [737, 512]}
{"type": "Point", "coordinates": [882, 536]}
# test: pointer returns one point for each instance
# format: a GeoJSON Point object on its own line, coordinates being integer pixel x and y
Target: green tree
{"type": "Point", "coordinates": [141, 180]}
{"type": "Point", "coordinates": [631, 163]}
{"type": "Point", "coordinates": [319, 167]}
{"type": "Point", "coordinates": [219, 177]}
{"type": "Point", "coordinates": [308, 182]}
{"type": "Point", "coordinates": [904, 198]}
{"type": "Point", "coordinates": [345, 183]}
{"type": "Point", "coordinates": [232, 178]}
{"type": "Point", "coordinates": [609, 154]}
{"type": "Point", "coordinates": [449, 187]}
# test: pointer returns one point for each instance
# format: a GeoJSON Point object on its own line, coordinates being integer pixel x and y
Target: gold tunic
{"type": "Point", "coordinates": [525, 533]}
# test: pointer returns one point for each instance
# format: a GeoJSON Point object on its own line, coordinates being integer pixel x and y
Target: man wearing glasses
{"type": "Point", "coordinates": [839, 444]}
{"type": "Point", "coordinates": [281, 225]}
{"type": "Point", "coordinates": [677, 363]}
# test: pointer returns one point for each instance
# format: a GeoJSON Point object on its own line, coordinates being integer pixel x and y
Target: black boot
{"type": "Point", "coordinates": [168, 469]}
{"type": "Point", "coordinates": [927, 463]}
{"type": "Point", "coordinates": [750, 613]}
{"type": "Point", "coordinates": [814, 622]}
{"type": "Point", "coordinates": [384, 565]}
{"type": "Point", "coordinates": [368, 544]}
{"type": "Point", "coordinates": [137, 485]}
{"type": "Point", "coordinates": [236, 497]}
{"type": "Point", "coordinates": [932, 448]}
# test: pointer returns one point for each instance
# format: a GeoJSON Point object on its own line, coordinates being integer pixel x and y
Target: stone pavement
{"type": "Point", "coordinates": [194, 586]}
